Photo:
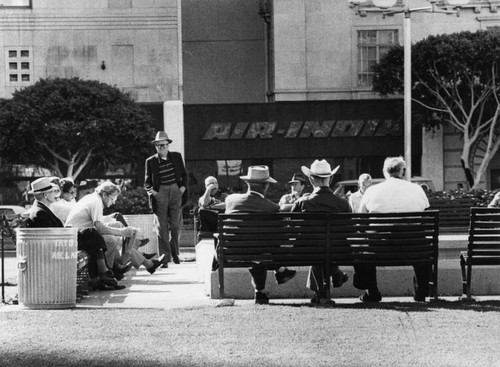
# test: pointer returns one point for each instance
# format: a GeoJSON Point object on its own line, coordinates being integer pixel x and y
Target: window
{"type": "Point", "coordinates": [19, 66]}
{"type": "Point", "coordinates": [372, 45]}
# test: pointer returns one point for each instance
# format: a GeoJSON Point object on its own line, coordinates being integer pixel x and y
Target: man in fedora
{"type": "Point", "coordinates": [297, 185]}
{"type": "Point", "coordinates": [254, 201]}
{"type": "Point", "coordinates": [322, 200]}
{"type": "Point", "coordinates": [166, 182]}
{"type": "Point", "coordinates": [46, 193]}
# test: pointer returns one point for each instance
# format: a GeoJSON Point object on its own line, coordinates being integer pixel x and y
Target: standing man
{"type": "Point", "coordinates": [166, 183]}
{"type": "Point", "coordinates": [364, 182]}
{"type": "Point", "coordinates": [322, 200]}
{"type": "Point", "coordinates": [394, 195]}
{"type": "Point", "coordinates": [254, 201]}
{"type": "Point", "coordinates": [297, 185]}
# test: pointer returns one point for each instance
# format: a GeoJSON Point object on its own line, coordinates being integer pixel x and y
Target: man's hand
{"type": "Point", "coordinates": [182, 189]}
{"type": "Point", "coordinates": [154, 193]}
{"type": "Point", "coordinates": [129, 231]}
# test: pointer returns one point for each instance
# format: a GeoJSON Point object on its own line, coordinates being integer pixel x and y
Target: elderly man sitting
{"type": "Point", "coordinates": [88, 214]}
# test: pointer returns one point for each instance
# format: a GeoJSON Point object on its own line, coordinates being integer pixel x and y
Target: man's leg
{"type": "Point", "coordinates": [316, 281]}
{"type": "Point", "coordinates": [174, 220]}
{"type": "Point", "coordinates": [365, 277]}
{"type": "Point", "coordinates": [259, 275]}
{"type": "Point", "coordinates": [421, 282]}
{"type": "Point", "coordinates": [162, 201]}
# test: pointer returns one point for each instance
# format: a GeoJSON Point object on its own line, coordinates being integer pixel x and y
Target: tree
{"type": "Point", "coordinates": [455, 80]}
{"type": "Point", "coordinates": [69, 124]}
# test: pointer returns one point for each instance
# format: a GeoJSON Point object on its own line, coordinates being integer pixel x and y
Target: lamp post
{"type": "Point", "coordinates": [387, 6]}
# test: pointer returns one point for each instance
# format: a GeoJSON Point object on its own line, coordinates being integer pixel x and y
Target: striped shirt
{"type": "Point", "coordinates": [167, 172]}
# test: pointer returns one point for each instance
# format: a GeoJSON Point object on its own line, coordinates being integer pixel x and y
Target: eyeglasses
{"type": "Point", "coordinates": [72, 193]}
{"type": "Point", "coordinates": [162, 145]}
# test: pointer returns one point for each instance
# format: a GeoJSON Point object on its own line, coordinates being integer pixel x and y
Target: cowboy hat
{"type": "Point", "coordinates": [320, 169]}
{"type": "Point", "coordinates": [41, 185]}
{"type": "Point", "coordinates": [258, 174]}
{"type": "Point", "coordinates": [298, 177]}
{"type": "Point", "coordinates": [161, 136]}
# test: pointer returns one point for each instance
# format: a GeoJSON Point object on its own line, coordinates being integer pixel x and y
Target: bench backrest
{"type": "Point", "coordinates": [296, 239]}
{"type": "Point", "coordinates": [484, 233]}
{"type": "Point", "coordinates": [384, 238]}
{"type": "Point", "coordinates": [292, 239]}
{"type": "Point", "coordinates": [452, 213]}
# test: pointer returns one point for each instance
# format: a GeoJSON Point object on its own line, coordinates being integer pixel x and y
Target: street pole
{"type": "Point", "coordinates": [407, 91]}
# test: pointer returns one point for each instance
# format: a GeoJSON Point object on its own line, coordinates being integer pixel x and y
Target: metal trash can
{"type": "Point", "coordinates": [146, 223]}
{"type": "Point", "coordinates": [46, 262]}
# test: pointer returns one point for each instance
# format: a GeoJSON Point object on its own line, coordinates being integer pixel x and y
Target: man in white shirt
{"type": "Point", "coordinates": [364, 182]}
{"type": "Point", "coordinates": [88, 213]}
{"type": "Point", "coordinates": [392, 196]}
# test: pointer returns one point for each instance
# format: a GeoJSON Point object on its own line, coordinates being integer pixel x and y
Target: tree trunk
{"type": "Point", "coordinates": [468, 173]}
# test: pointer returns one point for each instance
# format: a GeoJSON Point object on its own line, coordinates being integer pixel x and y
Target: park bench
{"type": "Point", "coordinates": [298, 239]}
{"type": "Point", "coordinates": [484, 244]}
{"type": "Point", "coordinates": [454, 214]}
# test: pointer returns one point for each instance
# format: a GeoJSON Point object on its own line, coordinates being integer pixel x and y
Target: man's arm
{"type": "Point", "coordinates": [148, 178]}
{"type": "Point", "coordinates": [125, 231]}
{"type": "Point", "coordinates": [205, 199]}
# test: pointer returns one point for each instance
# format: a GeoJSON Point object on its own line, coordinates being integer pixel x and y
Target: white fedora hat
{"type": "Point", "coordinates": [258, 174]}
{"type": "Point", "coordinates": [43, 184]}
{"type": "Point", "coordinates": [161, 136]}
{"type": "Point", "coordinates": [320, 168]}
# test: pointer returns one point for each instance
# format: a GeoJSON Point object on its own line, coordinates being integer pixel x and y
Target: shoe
{"type": "Point", "coordinates": [339, 279]}
{"type": "Point", "coordinates": [156, 264]}
{"type": "Point", "coordinates": [149, 256]}
{"type": "Point", "coordinates": [261, 298]}
{"type": "Point", "coordinates": [285, 276]}
{"type": "Point", "coordinates": [371, 298]}
{"type": "Point", "coordinates": [164, 266]}
{"type": "Point", "coordinates": [99, 286]}
{"type": "Point", "coordinates": [120, 271]}
{"type": "Point", "coordinates": [143, 242]}
{"type": "Point", "coordinates": [176, 259]}
{"type": "Point", "coordinates": [419, 297]}
{"type": "Point", "coordinates": [318, 300]}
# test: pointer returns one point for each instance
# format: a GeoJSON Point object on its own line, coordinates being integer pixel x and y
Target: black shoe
{"type": "Point", "coordinates": [419, 297]}
{"type": "Point", "coordinates": [143, 242]}
{"type": "Point", "coordinates": [285, 276]}
{"type": "Point", "coordinates": [372, 297]}
{"type": "Point", "coordinates": [120, 271]}
{"type": "Point", "coordinates": [261, 298]}
{"type": "Point", "coordinates": [321, 300]}
{"type": "Point", "coordinates": [339, 279]}
{"type": "Point", "coordinates": [164, 265]}
{"type": "Point", "coordinates": [99, 286]}
{"type": "Point", "coordinates": [156, 264]}
{"type": "Point", "coordinates": [176, 259]}
{"type": "Point", "coordinates": [149, 256]}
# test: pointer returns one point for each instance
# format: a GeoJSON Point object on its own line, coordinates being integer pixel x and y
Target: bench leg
{"type": "Point", "coordinates": [464, 276]}
{"type": "Point", "coordinates": [221, 281]}
{"type": "Point", "coordinates": [469, 280]}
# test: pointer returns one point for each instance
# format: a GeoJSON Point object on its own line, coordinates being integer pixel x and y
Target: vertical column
{"type": "Point", "coordinates": [173, 124]}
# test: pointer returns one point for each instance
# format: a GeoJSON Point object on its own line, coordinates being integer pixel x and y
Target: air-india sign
{"type": "Point", "coordinates": [302, 129]}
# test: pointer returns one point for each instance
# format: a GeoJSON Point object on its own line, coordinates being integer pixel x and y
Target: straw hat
{"type": "Point", "coordinates": [320, 169]}
{"type": "Point", "coordinates": [161, 136]}
{"type": "Point", "coordinates": [258, 174]}
{"type": "Point", "coordinates": [41, 185]}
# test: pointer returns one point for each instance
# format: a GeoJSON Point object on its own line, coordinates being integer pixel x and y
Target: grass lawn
{"type": "Point", "coordinates": [390, 334]}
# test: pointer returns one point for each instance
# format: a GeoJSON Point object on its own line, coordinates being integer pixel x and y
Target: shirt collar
{"type": "Point", "coordinates": [256, 193]}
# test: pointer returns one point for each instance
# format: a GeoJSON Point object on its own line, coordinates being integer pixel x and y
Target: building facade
{"type": "Point", "coordinates": [132, 44]}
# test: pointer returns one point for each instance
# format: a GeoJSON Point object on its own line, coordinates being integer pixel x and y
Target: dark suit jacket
{"type": "Point", "coordinates": [321, 201]}
{"type": "Point", "coordinates": [249, 203]}
{"type": "Point", "coordinates": [152, 177]}
{"type": "Point", "coordinates": [41, 216]}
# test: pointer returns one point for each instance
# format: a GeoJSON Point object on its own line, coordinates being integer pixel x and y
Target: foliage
{"type": "Point", "coordinates": [456, 81]}
{"type": "Point", "coordinates": [478, 197]}
{"type": "Point", "coordinates": [67, 124]}
{"type": "Point", "coordinates": [131, 201]}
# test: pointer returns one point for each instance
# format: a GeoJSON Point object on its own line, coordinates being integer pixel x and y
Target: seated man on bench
{"type": "Point", "coordinates": [322, 200]}
{"type": "Point", "coordinates": [394, 195]}
{"type": "Point", "coordinates": [254, 201]}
